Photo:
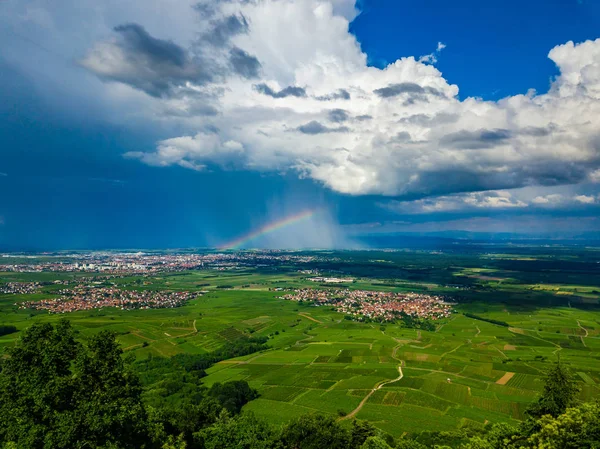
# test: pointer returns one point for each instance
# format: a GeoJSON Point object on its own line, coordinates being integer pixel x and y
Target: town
{"type": "Point", "coordinates": [148, 263]}
{"type": "Point", "coordinates": [376, 305]}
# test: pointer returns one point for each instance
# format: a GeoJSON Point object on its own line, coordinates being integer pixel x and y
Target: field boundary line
{"type": "Point", "coordinates": [308, 317]}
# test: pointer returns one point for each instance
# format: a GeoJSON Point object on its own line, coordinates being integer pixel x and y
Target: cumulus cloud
{"type": "Point", "coordinates": [187, 150]}
{"type": "Point", "coordinates": [268, 74]}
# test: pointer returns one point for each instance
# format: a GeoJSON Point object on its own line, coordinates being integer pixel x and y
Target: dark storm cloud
{"type": "Point", "coordinates": [548, 173]}
{"type": "Point", "coordinates": [144, 62]}
{"type": "Point", "coordinates": [414, 90]}
{"type": "Point", "coordinates": [244, 64]}
{"type": "Point", "coordinates": [315, 127]}
{"type": "Point", "coordinates": [139, 42]}
{"type": "Point", "coordinates": [451, 180]}
{"type": "Point", "coordinates": [341, 94]}
{"type": "Point", "coordinates": [338, 115]}
{"type": "Point", "coordinates": [290, 91]}
{"type": "Point", "coordinates": [224, 29]}
{"type": "Point", "coordinates": [474, 140]}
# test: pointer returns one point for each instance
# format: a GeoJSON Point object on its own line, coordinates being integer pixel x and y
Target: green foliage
{"type": "Point", "coordinates": [233, 395]}
{"type": "Point", "coordinates": [242, 432]}
{"type": "Point", "coordinates": [360, 432]}
{"type": "Point", "coordinates": [560, 391]}
{"type": "Point", "coordinates": [375, 443]}
{"type": "Point", "coordinates": [57, 393]}
{"type": "Point", "coordinates": [577, 428]}
{"type": "Point", "coordinates": [409, 444]}
{"type": "Point", "coordinates": [315, 432]}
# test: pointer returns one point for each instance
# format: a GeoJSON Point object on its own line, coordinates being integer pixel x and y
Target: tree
{"type": "Point", "coordinates": [314, 432]}
{"type": "Point", "coordinates": [577, 428]}
{"type": "Point", "coordinates": [409, 444]}
{"type": "Point", "coordinates": [240, 432]}
{"type": "Point", "coordinates": [55, 392]}
{"type": "Point", "coordinates": [375, 443]}
{"type": "Point", "coordinates": [360, 432]}
{"type": "Point", "coordinates": [233, 395]}
{"type": "Point", "coordinates": [560, 391]}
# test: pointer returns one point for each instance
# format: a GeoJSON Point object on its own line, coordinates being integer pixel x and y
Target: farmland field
{"type": "Point", "coordinates": [514, 313]}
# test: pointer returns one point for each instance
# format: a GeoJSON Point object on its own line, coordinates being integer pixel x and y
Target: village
{"type": "Point", "coordinates": [85, 297]}
{"type": "Point", "coordinates": [376, 305]}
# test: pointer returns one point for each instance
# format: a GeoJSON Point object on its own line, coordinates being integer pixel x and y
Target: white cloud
{"type": "Point", "coordinates": [432, 58]}
{"type": "Point", "coordinates": [459, 202]}
{"type": "Point", "coordinates": [187, 150]}
{"type": "Point", "coordinates": [553, 198]}
{"type": "Point", "coordinates": [402, 130]}
{"type": "Point", "coordinates": [585, 199]}
{"type": "Point", "coordinates": [530, 198]}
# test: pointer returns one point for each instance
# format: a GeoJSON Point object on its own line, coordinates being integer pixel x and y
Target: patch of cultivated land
{"type": "Point", "coordinates": [504, 379]}
{"type": "Point", "coordinates": [467, 371]}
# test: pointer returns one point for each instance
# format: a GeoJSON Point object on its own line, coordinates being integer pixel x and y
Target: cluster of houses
{"type": "Point", "coordinates": [88, 298]}
{"type": "Point", "coordinates": [381, 306]}
{"type": "Point", "coordinates": [19, 288]}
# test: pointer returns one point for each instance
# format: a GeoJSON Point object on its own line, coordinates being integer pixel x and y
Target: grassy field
{"type": "Point", "coordinates": [467, 371]}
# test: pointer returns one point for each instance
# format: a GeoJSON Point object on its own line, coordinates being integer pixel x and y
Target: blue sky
{"type": "Point", "coordinates": [155, 125]}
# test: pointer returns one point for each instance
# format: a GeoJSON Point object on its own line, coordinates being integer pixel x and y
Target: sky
{"type": "Point", "coordinates": [194, 123]}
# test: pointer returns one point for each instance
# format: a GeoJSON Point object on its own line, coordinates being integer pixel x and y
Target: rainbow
{"type": "Point", "coordinates": [268, 228]}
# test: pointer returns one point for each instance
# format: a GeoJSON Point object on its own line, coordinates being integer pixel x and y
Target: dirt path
{"type": "Point", "coordinates": [586, 333]}
{"type": "Point", "coordinates": [503, 354]}
{"type": "Point", "coordinates": [195, 330]}
{"type": "Point", "coordinates": [353, 413]}
{"type": "Point", "coordinates": [308, 317]}
{"type": "Point", "coordinates": [378, 385]}
{"type": "Point", "coordinates": [452, 350]}
{"type": "Point", "coordinates": [478, 331]}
